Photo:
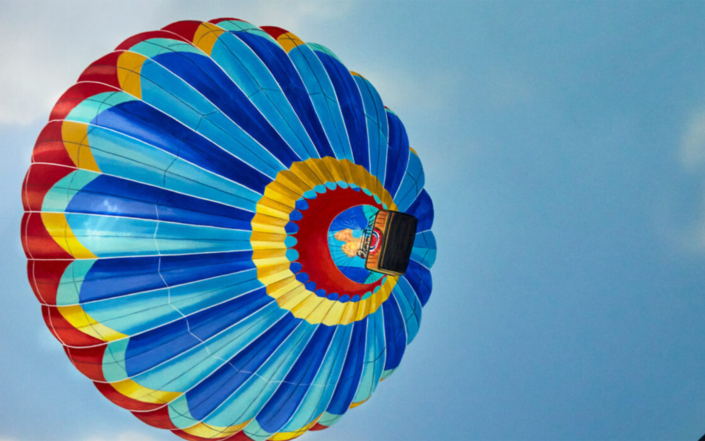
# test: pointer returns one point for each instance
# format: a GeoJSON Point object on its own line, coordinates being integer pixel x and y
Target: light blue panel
{"type": "Point", "coordinates": [90, 107]}
{"type": "Point", "coordinates": [120, 155]}
{"type": "Point", "coordinates": [235, 26]}
{"type": "Point", "coordinates": [109, 236]}
{"type": "Point", "coordinates": [320, 48]}
{"type": "Point", "coordinates": [156, 46]}
{"type": "Point", "coordinates": [58, 197]}
{"type": "Point", "coordinates": [185, 371]}
{"type": "Point", "coordinates": [178, 99]}
{"type": "Point", "coordinates": [424, 251]}
{"type": "Point", "coordinates": [135, 313]}
{"type": "Point", "coordinates": [377, 128]}
{"type": "Point", "coordinates": [244, 404]}
{"type": "Point", "coordinates": [410, 307]}
{"type": "Point", "coordinates": [184, 177]}
{"type": "Point", "coordinates": [179, 413]}
{"type": "Point", "coordinates": [374, 357]}
{"type": "Point", "coordinates": [411, 184]}
{"type": "Point", "coordinates": [328, 419]}
{"type": "Point", "coordinates": [319, 395]}
{"type": "Point", "coordinates": [322, 94]}
{"type": "Point", "coordinates": [252, 76]}
{"type": "Point", "coordinates": [175, 238]}
{"type": "Point", "coordinates": [255, 432]}
{"type": "Point", "coordinates": [114, 360]}
{"type": "Point", "coordinates": [69, 287]}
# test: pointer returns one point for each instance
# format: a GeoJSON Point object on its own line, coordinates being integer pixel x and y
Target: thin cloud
{"type": "Point", "coordinates": [692, 150]}
{"type": "Point", "coordinates": [49, 44]}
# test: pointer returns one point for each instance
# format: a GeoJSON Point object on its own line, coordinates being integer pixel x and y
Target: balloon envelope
{"type": "Point", "coordinates": [190, 212]}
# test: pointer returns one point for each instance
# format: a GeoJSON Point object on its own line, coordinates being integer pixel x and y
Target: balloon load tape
{"type": "Point", "coordinates": [388, 241]}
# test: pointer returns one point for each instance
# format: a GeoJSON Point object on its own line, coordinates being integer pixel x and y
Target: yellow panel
{"type": "Point", "coordinates": [265, 272]}
{"type": "Point", "coordinates": [306, 307]}
{"type": "Point", "coordinates": [80, 320]}
{"type": "Point", "coordinates": [318, 314]}
{"type": "Point", "coordinates": [136, 391]}
{"type": "Point", "coordinates": [334, 315]}
{"type": "Point", "coordinates": [286, 436]}
{"type": "Point", "coordinates": [290, 180]}
{"type": "Point", "coordinates": [59, 229]}
{"type": "Point", "coordinates": [294, 298]}
{"type": "Point", "coordinates": [206, 35]}
{"type": "Point", "coordinates": [289, 286]}
{"type": "Point", "coordinates": [318, 168]}
{"type": "Point", "coordinates": [264, 209]}
{"type": "Point", "coordinates": [363, 310]}
{"type": "Point", "coordinates": [356, 74]}
{"type": "Point", "coordinates": [129, 66]}
{"type": "Point", "coordinates": [349, 313]}
{"type": "Point", "coordinates": [267, 254]}
{"type": "Point", "coordinates": [334, 169]}
{"type": "Point", "coordinates": [75, 138]}
{"type": "Point", "coordinates": [305, 174]}
{"type": "Point", "coordinates": [204, 430]}
{"type": "Point", "coordinates": [289, 41]}
{"type": "Point", "coordinates": [354, 405]}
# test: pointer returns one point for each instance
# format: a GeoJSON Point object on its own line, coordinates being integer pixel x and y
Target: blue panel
{"type": "Point", "coordinates": [394, 333]}
{"type": "Point", "coordinates": [420, 279]}
{"type": "Point", "coordinates": [208, 395]}
{"type": "Point", "coordinates": [397, 155]}
{"type": "Point", "coordinates": [159, 345]}
{"type": "Point", "coordinates": [410, 306]}
{"type": "Point", "coordinates": [351, 106]}
{"type": "Point", "coordinates": [114, 277]}
{"type": "Point", "coordinates": [119, 197]}
{"type": "Point", "coordinates": [411, 184]}
{"type": "Point", "coordinates": [377, 130]}
{"type": "Point", "coordinates": [322, 94]}
{"type": "Point", "coordinates": [287, 398]}
{"type": "Point", "coordinates": [352, 371]}
{"type": "Point", "coordinates": [138, 120]}
{"type": "Point", "coordinates": [422, 209]}
{"type": "Point", "coordinates": [424, 250]}
{"type": "Point", "coordinates": [279, 64]}
{"type": "Point", "coordinates": [209, 79]}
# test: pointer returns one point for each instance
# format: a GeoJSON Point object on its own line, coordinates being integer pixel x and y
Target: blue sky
{"type": "Point", "coordinates": [564, 148]}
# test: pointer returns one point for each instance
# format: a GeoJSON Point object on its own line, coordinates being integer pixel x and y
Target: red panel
{"type": "Point", "coordinates": [318, 427]}
{"type": "Point", "coordinates": [158, 418]}
{"type": "Point", "coordinates": [36, 238]}
{"type": "Point", "coordinates": [312, 241]}
{"type": "Point", "coordinates": [218, 20]}
{"type": "Point", "coordinates": [44, 276]}
{"type": "Point", "coordinates": [103, 70]}
{"type": "Point", "coordinates": [186, 29]}
{"type": "Point", "coordinates": [121, 400]}
{"type": "Point", "coordinates": [39, 180]}
{"type": "Point", "coordinates": [50, 146]}
{"type": "Point", "coordinates": [274, 31]}
{"type": "Point", "coordinates": [135, 39]}
{"type": "Point", "coordinates": [88, 360]}
{"type": "Point", "coordinates": [64, 332]}
{"type": "Point", "coordinates": [73, 97]}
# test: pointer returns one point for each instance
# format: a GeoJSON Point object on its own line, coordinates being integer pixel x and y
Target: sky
{"type": "Point", "coordinates": [564, 149]}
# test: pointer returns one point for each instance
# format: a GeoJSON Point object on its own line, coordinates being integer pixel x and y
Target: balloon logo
{"type": "Point", "coordinates": [193, 216]}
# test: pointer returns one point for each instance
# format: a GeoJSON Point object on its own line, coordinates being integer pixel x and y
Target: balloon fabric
{"type": "Point", "coordinates": [191, 215]}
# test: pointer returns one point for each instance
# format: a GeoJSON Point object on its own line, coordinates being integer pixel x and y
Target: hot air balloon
{"type": "Point", "coordinates": [228, 232]}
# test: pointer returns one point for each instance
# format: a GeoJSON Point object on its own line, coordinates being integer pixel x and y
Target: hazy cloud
{"type": "Point", "coordinates": [42, 60]}
{"type": "Point", "coordinates": [125, 436]}
{"type": "Point", "coordinates": [692, 151]}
